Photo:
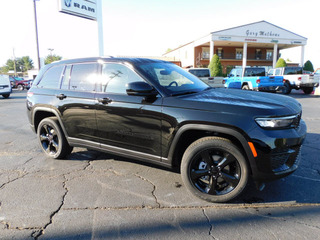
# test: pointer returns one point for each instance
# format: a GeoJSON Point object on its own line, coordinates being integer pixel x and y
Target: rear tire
{"type": "Point", "coordinates": [245, 87]}
{"type": "Point", "coordinates": [6, 95]}
{"type": "Point", "coordinates": [286, 88]}
{"type": "Point", "coordinates": [307, 90]}
{"type": "Point", "coordinates": [214, 169]}
{"type": "Point", "coordinates": [52, 140]}
{"type": "Point", "coordinates": [20, 87]}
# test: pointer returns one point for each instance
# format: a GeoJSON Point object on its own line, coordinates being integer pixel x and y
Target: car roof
{"type": "Point", "coordinates": [133, 61]}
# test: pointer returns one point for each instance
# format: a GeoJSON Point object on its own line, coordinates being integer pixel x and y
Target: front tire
{"type": "Point", "coordinates": [214, 169]}
{"type": "Point", "coordinates": [52, 140]}
{"type": "Point", "coordinates": [6, 95]}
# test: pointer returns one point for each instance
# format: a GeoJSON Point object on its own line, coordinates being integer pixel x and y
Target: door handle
{"type": "Point", "coordinates": [104, 100]}
{"type": "Point", "coordinates": [61, 96]}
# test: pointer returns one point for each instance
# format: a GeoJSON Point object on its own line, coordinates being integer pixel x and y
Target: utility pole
{"type": "Point", "coordinates": [14, 63]}
{"type": "Point", "coordinates": [36, 27]}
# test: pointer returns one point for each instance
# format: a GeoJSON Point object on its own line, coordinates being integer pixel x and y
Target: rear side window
{"type": "Point", "coordinates": [51, 78]}
{"type": "Point", "coordinates": [200, 72]}
{"type": "Point", "coordinates": [84, 77]}
{"type": "Point", "coordinates": [293, 70]}
{"type": "Point", "coordinates": [255, 72]}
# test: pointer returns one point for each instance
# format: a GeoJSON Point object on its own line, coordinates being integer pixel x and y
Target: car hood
{"type": "Point", "coordinates": [242, 102]}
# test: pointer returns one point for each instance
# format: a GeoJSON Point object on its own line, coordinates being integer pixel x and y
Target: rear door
{"type": "Point", "coordinates": [76, 101]}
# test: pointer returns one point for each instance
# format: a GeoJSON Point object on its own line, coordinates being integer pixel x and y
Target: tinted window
{"type": "Point", "coordinates": [200, 72]}
{"type": "Point", "coordinates": [84, 77]}
{"type": "Point", "coordinates": [293, 70]}
{"type": "Point", "coordinates": [51, 78]}
{"type": "Point", "coordinates": [255, 72]}
{"type": "Point", "coordinates": [115, 78]}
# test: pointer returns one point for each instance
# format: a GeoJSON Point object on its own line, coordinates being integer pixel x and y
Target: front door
{"type": "Point", "coordinates": [127, 123]}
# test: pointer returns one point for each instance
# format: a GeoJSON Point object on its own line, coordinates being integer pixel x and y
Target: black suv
{"type": "Point", "coordinates": [157, 112]}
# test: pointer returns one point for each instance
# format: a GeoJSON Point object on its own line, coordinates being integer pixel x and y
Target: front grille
{"type": "Point", "coordinates": [284, 160]}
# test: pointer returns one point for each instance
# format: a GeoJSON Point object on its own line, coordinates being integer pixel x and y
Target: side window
{"type": "Point", "coordinates": [278, 72]}
{"type": "Point", "coordinates": [51, 78]}
{"type": "Point", "coordinates": [115, 78]}
{"type": "Point", "coordinates": [84, 77]}
{"type": "Point", "coordinates": [238, 73]}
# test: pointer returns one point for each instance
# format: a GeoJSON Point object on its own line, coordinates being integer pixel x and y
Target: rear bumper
{"type": "Point", "coordinates": [268, 88]}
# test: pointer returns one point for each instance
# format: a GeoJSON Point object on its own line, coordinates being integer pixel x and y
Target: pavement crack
{"type": "Point", "coordinates": [88, 165]}
{"type": "Point", "coordinates": [153, 190]}
{"type": "Point", "coordinates": [37, 234]}
{"type": "Point", "coordinates": [209, 223]}
{"type": "Point", "coordinates": [12, 180]}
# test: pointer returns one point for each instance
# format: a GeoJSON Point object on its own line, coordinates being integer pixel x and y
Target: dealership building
{"type": "Point", "coordinates": [255, 44]}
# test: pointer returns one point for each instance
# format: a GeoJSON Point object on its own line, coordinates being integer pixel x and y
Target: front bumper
{"type": "Point", "coordinates": [278, 152]}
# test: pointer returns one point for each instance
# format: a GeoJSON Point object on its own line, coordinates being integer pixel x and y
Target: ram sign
{"type": "Point", "coordinates": [80, 8]}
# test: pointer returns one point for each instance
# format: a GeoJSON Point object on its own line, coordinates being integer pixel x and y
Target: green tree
{"type": "Point", "coordinates": [26, 63]}
{"type": "Point", "coordinates": [308, 66]}
{"type": "Point", "coordinates": [281, 63]}
{"type": "Point", "coordinates": [215, 66]}
{"type": "Point", "coordinates": [52, 58]}
{"type": "Point", "coordinates": [22, 65]}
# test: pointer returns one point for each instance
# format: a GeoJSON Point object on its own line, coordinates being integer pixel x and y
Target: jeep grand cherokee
{"type": "Point", "coordinates": [155, 111]}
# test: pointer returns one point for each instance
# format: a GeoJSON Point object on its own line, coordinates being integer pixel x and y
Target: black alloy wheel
{"type": "Point", "coordinates": [214, 169]}
{"type": "Point", "coordinates": [52, 139]}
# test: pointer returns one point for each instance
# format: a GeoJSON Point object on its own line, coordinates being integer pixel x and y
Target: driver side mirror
{"type": "Point", "coordinates": [141, 89]}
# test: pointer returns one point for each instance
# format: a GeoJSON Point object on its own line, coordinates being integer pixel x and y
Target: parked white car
{"type": "Point", "coordinates": [5, 86]}
{"type": "Point", "coordinates": [202, 73]}
{"type": "Point", "coordinates": [295, 79]}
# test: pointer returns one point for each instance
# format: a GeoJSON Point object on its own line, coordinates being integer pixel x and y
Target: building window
{"type": "Point", "coordinates": [205, 53]}
{"type": "Point", "coordinates": [269, 55]}
{"type": "Point", "coordinates": [239, 53]}
{"type": "Point", "coordinates": [219, 52]}
{"type": "Point", "coordinates": [258, 54]}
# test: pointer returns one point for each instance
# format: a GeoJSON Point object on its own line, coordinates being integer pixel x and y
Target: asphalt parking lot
{"type": "Point", "coordinates": [92, 195]}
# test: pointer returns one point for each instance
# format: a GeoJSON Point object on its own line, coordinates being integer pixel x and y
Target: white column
{"type": "Point", "coordinates": [302, 56]}
{"type": "Point", "coordinates": [275, 55]}
{"type": "Point", "coordinates": [100, 28]}
{"type": "Point", "coordinates": [211, 49]}
{"type": "Point", "coordinates": [244, 57]}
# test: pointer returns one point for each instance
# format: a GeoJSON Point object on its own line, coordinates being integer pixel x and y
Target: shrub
{"type": "Point", "coordinates": [215, 66]}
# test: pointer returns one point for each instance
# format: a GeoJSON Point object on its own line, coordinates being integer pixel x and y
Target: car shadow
{"type": "Point", "coordinates": [298, 187]}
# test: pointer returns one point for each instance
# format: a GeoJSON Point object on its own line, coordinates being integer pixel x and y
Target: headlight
{"type": "Point", "coordinates": [277, 122]}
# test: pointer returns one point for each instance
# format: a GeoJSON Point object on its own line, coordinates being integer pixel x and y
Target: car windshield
{"type": "Point", "coordinates": [171, 78]}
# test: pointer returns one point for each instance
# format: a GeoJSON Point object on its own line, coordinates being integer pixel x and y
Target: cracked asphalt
{"type": "Point", "coordinates": [93, 195]}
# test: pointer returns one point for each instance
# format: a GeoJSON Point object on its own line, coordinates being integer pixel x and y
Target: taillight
{"type": "Point", "coordinates": [284, 80]}
{"type": "Point", "coordinates": [223, 81]}
{"type": "Point", "coordinates": [299, 78]}
{"type": "Point", "coordinates": [29, 94]}
{"type": "Point", "coordinates": [258, 81]}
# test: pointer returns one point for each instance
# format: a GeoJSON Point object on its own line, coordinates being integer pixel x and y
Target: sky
{"type": "Point", "coordinates": [148, 27]}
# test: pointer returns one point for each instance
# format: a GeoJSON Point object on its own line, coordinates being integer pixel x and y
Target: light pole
{"type": "Point", "coordinates": [36, 27]}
